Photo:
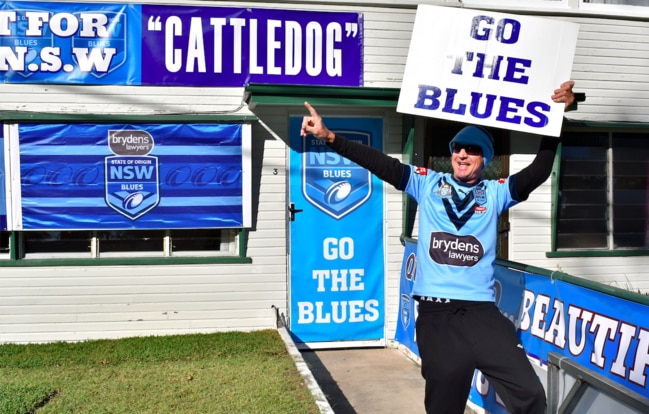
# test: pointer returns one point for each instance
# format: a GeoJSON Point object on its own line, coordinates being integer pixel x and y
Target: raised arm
{"type": "Point", "coordinates": [387, 168]}
{"type": "Point", "coordinates": [535, 174]}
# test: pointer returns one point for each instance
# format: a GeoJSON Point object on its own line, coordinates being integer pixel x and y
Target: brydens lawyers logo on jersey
{"type": "Point", "coordinates": [449, 249]}
{"type": "Point", "coordinates": [421, 170]}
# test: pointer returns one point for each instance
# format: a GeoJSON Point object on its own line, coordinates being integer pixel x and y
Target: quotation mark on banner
{"type": "Point", "coordinates": [154, 24]}
{"type": "Point", "coordinates": [351, 29]}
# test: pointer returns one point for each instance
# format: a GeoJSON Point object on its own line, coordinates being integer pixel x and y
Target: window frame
{"type": "Point", "coordinates": [237, 249]}
{"type": "Point", "coordinates": [588, 127]}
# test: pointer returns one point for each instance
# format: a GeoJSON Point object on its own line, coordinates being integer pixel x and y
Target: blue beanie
{"type": "Point", "coordinates": [475, 135]}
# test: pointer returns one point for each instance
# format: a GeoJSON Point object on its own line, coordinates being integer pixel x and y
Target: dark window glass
{"type": "Point", "coordinates": [131, 241]}
{"type": "Point", "coordinates": [583, 205]}
{"type": "Point", "coordinates": [195, 240]}
{"type": "Point", "coordinates": [57, 241]}
{"type": "Point", "coordinates": [4, 241]}
{"type": "Point", "coordinates": [630, 190]}
{"type": "Point", "coordinates": [603, 191]}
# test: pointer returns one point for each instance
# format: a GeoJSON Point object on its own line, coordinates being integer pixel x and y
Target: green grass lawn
{"type": "Point", "coordinates": [231, 372]}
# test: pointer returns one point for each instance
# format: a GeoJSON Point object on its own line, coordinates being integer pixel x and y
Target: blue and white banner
{"type": "Point", "coordinates": [336, 240]}
{"type": "Point", "coordinates": [603, 333]}
{"type": "Point", "coordinates": [408, 307]}
{"type": "Point", "coordinates": [143, 176]}
{"type": "Point", "coordinates": [173, 45]}
{"type": "Point", "coordinates": [488, 68]}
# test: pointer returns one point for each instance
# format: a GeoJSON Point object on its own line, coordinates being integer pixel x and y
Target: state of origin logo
{"type": "Point", "coordinates": [131, 175]}
{"type": "Point", "coordinates": [331, 182]}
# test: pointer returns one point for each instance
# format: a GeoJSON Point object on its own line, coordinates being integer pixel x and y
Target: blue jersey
{"type": "Point", "coordinates": [458, 224]}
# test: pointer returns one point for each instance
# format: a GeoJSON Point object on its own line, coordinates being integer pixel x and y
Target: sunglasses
{"type": "Point", "coordinates": [469, 149]}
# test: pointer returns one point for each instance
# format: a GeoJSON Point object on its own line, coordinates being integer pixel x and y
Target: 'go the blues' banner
{"type": "Point", "coordinates": [603, 333]}
{"type": "Point", "coordinates": [171, 45]}
{"type": "Point", "coordinates": [336, 238]}
{"type": "Point", "coordinates": [488, 68]}
{"type": "Point", "coordinates": [147, 176]}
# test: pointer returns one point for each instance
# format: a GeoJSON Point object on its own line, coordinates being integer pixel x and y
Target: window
{"type": "Point", "coordinates": [4, 243]}
{"type": "Point", "coordinates": [129, 243]}
{"type": "Point", "coordinates": [603, 192]}
{"type": "Point", "coordinates": [616, 7]}
{"type": "Point", "coordinates": [622, 2]}
{"type": "Point", "coordinates": [126, 191]}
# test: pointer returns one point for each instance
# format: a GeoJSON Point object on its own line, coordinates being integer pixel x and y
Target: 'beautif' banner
{"type": "Point", "coordinates": [172, 45]}
{"type": "Point", "coordinates": [488, 68]}
{"type": "Point", "coordinates": [605, 334]}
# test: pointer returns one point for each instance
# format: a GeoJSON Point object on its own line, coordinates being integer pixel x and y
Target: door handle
{"type": "Point", "coordinates": [292, 210]}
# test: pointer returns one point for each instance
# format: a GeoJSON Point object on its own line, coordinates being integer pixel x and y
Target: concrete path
{"type": "Point", "coordinates": [368, 380]}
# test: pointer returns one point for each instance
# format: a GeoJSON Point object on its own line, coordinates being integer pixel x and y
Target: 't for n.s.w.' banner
{"type": "Point", "coordinates": [488, 68]}
{"type": "Point", "coordinates": [137, 176]}
{"type": "Point", "coordinates": [173, 45]}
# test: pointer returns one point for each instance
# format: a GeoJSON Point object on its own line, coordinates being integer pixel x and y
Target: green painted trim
{"type": "Point", "coordinates": [597, 253]}
{"type": "Point", "coordinates": [122, 261]}
{"type": "Point", "coordinates": [554, 201]}
{"type": "Point", "coordinates": [243, 242]}
{"type": "Point", "coordinates": [13, 252]}
{"type": "Point", "coordinates": [15, 117]}
{"type": "Point", "coordinates": [408, 149]}
{"type": "Point", "coordinates": [588, 284]}
{"type": "Point", "coordinates": [321, 95]}
{"type": "Point", "coordinates": [606, 126]}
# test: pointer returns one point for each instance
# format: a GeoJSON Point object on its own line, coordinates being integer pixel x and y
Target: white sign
{"type": "Point", "coordinates": [488, 68]}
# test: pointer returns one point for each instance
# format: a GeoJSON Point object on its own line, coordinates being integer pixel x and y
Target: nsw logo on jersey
{"type": "Point", "coordinates": [444, 191]}
{"type": "Point", "coordinates": [480, 194]}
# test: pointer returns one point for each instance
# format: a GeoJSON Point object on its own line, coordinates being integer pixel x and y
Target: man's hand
{"type": "Point", "coordinates": [565, 94]}
{"type": "Point", "coordinates": [312, 124]}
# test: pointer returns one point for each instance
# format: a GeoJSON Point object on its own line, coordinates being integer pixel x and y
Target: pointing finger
{"type": "Point", "coordinates": [311, 110]}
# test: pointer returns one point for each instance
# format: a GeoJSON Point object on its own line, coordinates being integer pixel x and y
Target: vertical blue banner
{"type": "Point", "coordinates": [408, 307]}
{"type": "Point", "coordinates": [336, 241]}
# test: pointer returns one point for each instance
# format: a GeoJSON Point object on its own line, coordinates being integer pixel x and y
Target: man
{"type": "Point", "coordinates": [459, 328]}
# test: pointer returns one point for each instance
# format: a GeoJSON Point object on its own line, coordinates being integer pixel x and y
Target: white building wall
{"type": "Point", "coordinates": [75, 303]}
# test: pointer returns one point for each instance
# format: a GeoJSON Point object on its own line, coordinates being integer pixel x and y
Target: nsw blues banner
{"type": "Point", "coordinates": [172, 45]}
{"type": "Point", "coordinates": [141, 176]}
{"type": "Point", "coordinates": [408, 307]}
{"type": "Point", "coordinates": [336, 238]}
{"type": "Point", "coordinates": [603, 333]}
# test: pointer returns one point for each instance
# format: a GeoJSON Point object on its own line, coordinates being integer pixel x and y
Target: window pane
{"type": "Point", "coordinates": [582, 208]}
{"type": "Point", "coordinates": [622, 2]}
{"type": "Point", "coordinates": [630, 190]}
{"type": "Point", "coordinates": [57, 241]}
{"type": "Point", "coordinates": [196, 240]}
{"type": "Point", "coordinates": [4, 242]}
{"type": "Point", "coordinates": [131, 241]}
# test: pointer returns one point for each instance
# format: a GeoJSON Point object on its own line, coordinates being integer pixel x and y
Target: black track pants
{"type": "Point", "coordinates": [458, 337]}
